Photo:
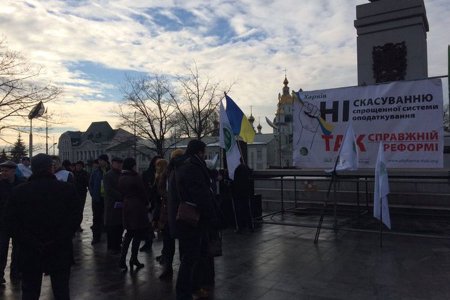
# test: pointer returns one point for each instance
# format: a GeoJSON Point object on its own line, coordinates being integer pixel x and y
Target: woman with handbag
{"type": "Point", "coordinates": [135, 218]}
{"type": "Point", "coordinates": [191, 212]}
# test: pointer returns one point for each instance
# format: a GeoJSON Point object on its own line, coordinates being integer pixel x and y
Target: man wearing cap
{"type": "Point", "coordinates": [97, 191]}
{"type": "Point", "coordinates": [8, 180]}
{"type": "Point", "coordinates": [43, 215]}
{"type": "Point", "coordinates": [113, 206]}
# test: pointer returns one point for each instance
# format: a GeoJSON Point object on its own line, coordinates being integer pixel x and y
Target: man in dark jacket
{"type": "Point", "coordinates": [8, 180]}
{"type": "Point", "coordinates": [241, 189]}
{"type": "Point", "coordinates": [81, 184]}
{"type": "Point", "coordinates": [113, 206]}
{"type": "Point", "coordinates": [190, 181]}
{"type": "Point", "coordinates": [97, 191]}
{"type": "Point", "coordinates": [42, 215]}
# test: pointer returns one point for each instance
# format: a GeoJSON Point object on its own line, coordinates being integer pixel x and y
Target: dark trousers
{"type": "Point", "coordinates": [97, 219]}
{"type": "Point", "coordinates": [4, 247]}
{"type": "Point", "coordinates": [82, 203]}
{"type": "Point", "coordinates": [243, 213]}
{"type": "Point", "coordinates": [168, 250]}
{"type": "Point", "coordinates": [32, 281]}
{"type": "Point", "coordinates": [204, 273]}
{"type": "Point", "coordinates": [114, 237]}
{"type": "Point", "coordinates": [134, 237]}
{"type": "Point", "coordinates": [191, 250]}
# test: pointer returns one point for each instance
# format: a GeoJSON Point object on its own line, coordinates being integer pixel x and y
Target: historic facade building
{"type": "Point", "coordinates": [98, 139]}
{"type": "Point", "coordinates": [282, 126]}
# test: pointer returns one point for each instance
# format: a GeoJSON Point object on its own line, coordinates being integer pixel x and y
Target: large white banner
{"type": "Point", "coordinates": [407, 116]}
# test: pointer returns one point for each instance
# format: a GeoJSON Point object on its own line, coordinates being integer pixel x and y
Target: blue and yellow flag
{"type": "Point", "coordinates": [239, 122]}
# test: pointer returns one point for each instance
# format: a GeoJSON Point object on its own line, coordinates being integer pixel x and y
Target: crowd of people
{"type": "Point", "coordinates": [41, 209]}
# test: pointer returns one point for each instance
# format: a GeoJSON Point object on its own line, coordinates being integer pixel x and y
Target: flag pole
{"type": "Point", "coordinates": [325, 205]}
{"type": "Point", "coordinates": [332, 183]}
{"type": "Point", "coordinates": [381, 222]}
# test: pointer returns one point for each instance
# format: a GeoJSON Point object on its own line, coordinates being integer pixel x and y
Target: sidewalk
{"type": "Point", "coordinates": [275, 262]}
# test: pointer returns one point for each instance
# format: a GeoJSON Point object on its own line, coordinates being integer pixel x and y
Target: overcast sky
{"type": "Point", "coordinates": [88, 46]}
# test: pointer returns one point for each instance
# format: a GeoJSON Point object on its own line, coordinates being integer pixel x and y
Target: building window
{"type": "Point", "coordinates": [259, 155]}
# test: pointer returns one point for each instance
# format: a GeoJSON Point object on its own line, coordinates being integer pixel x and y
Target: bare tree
{"type": "Point", "coordinates": [147, 109]}
{"type": "Point", "coordinates": [196, 104]}
{"type": "Point", "coordinates": [20, 88]}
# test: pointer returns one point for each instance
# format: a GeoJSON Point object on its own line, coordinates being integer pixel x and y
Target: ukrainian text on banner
{"type": "Point", "coordinates": [407, 116]}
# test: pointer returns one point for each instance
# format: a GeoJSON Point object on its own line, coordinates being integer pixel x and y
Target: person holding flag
{"type": "Point", "coordinates": [233, 122]}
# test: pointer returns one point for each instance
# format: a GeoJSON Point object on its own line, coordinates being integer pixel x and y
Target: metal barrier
{"type": "Point", "coordinates": [363, 177]}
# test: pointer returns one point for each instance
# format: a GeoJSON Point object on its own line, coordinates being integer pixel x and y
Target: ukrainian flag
{"type": "Point", "coordinates": [239, 122]}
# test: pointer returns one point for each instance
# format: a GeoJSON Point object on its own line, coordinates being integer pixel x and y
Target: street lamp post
{"type": "Point", "coordinates": [35, 112]}
{"type": "Point", "coordinates": [53, 146]}
{"type": "Point", "coordinates": [30, 141]}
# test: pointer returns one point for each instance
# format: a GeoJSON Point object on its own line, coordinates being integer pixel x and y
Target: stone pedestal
{"type": "Point", "coordinates": [392, 41]}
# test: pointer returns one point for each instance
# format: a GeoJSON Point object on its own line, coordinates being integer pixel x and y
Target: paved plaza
{"type": "Point", "coordinates": [275, 262]}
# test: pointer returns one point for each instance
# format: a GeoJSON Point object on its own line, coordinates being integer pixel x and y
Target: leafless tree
{"type": "Point", "coordinates": [20, 87]}
{"type": "Point", "coordinates": [196, 104]}
{"type": "Point", "coordinates": [147, 109]}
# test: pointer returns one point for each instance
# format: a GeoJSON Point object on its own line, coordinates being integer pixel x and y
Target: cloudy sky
{"type": "Point", "coordinates": [87, 47]}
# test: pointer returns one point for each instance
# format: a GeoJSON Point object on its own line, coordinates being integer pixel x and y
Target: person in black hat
{"type": "Point", "coordinates": [43, 215]}
{"type": "Point", "coordinates": [8, 180]}
{"type": "Point", "coordinates": [113, 206]}
{"type": "Point", "coordinates": [97, 194]}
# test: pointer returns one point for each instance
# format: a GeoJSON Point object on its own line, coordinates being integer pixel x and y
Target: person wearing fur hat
{"type": "Point", "coordinates": [42, 215]}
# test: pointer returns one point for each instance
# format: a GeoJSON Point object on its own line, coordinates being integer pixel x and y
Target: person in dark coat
{"type": "Point", "coordinates": [241, 189]}
{"type": "Point", "coordinates": [148, 176]}
{"type": "Point", "coordinates": [160, 219]}
{"type": "Point", "coordinates": [97, 192]}
{"type": "Point", "coordinates": [113, 206]}
{"type": "Point", "coordinates": [81, 184]}
{"type": "Point", "coordinates": [168, 249]}
{"type": "Point", "coordinates": [8, 180]}
{"type": "Point", "coordinates": [42, 215]}
{"type": "Point", "coordinates": [135, 218]}
{"type": "Point", "coordinates": [190, 182]}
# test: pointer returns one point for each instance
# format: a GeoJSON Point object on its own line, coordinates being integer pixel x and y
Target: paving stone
{"type": "Point", "coordinates": [274, 262]}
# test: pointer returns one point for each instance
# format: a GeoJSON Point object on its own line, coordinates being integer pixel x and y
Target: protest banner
{"type": "Point", "coordinates": [407, 116]}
